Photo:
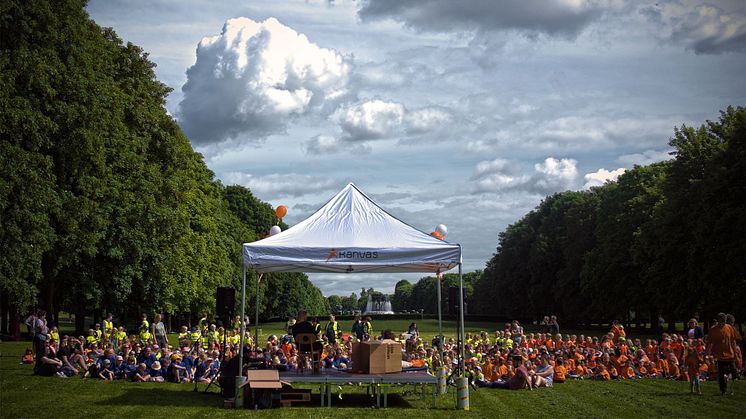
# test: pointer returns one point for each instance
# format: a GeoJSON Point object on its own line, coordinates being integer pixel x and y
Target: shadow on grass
{"type": "Point", "coordinates": [163, 397]}
{"type": "Point", "coordinates": [676, 394]}
{"type": "Point", "coordinates": [172, 397]}
{"type": "Point", "coordinates": [357, 401]}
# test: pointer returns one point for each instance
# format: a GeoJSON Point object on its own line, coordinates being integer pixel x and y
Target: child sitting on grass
{"type": "Point", "coordinates": [602, 374]}
{"type": "Point", "coordinates": [141, 375]}
{"type": "Point", "coordinates": [106, 373]}
{"type": "Point", "coordinates": [28, 357]}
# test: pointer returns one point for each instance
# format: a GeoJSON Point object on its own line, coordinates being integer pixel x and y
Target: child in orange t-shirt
{"type": "Point", "coordinates": [603, 374]}
{"type": "Point", "coordinates": [662, 365]}
{"type": "Point", "coordinates": [693, 362]}
{"type": "Point", "coordinates": [673, 367]}
{"type": "Point", "coordinates": [488, 370]}
{"type": "Point", "coordinates": [570, 364]}
{"type": "Point", "coordinates": [576, 373]}
{"type": "Point", "coordinates": [704, 369]}
{"type": "Point", "coordinates": [652, 370]}
{"type": "Point", "coordinates": [28, 357]}
{"type": "Point", "coordinates": [502, 371]}
{"type": "Point", "coordinates": [559, 371]}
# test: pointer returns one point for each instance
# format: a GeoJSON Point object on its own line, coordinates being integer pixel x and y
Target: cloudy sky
{"type": "Point", "coordinates": [465, 113]}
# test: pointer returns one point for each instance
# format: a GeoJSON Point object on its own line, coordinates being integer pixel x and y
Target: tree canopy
{"type": "Point", "coordinates": [104, 204]}
{"type": "Point", "coordinates": [667, 238]}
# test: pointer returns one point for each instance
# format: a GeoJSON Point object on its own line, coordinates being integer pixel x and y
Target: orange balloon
{"type": "Point", "coordinates": [281, 211]}
{"type": "Point", "coordinates": [437, 235]}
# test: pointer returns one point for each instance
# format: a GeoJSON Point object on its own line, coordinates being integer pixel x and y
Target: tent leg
{"type": "Point", "coordinates": [256, 319]}
{"type": "Point", "coordinates": [239, 377]}
{"type": "Point", "coordinates": [440, 318]}
{"type": "Point", "coordinates": [463, 396]}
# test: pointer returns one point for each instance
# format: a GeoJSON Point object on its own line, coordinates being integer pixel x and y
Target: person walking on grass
{"type": "Point", "coordinates": [722, 337]}
{"type": "Point", "coordinates": [40, 333]}
{"type": "Point", "coordinates": [159, 330]}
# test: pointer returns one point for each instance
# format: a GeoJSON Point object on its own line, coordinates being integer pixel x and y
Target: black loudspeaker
{"type": "Point", "coordinates": [453, 295]}
{"type": "Point", "coordinates": [225, 302]}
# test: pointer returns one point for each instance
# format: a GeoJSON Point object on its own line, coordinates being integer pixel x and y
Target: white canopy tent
{"type": "Point", "coordinates": [350, 234]}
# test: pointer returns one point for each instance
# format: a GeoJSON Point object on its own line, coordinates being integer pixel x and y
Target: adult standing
{"type": "Point", "coordinates": [554, 325]}
{"type": "Point", "coordinates": [109, 335]}
{"type": "Point", "coordinates": [516, 332]}
{"type": "Point", "coordinates": [545, 325]}
{"type": "Point", "coordinates": [357, 328]}
{"type": "Point", "coordinates": [29, 322]}
{"type": "Point", "coordinates": [159, 330]}
{"type": "Point", "coordinates": [367, 328]}
{"type": "Point", "coordinates": [722, 339]}
{"type": "Point", "coordinates": [40, 333]}
{"type": "Point", "coordinates": [412, 329]}
{"type": "Point", "coordinates": [332, 330]}
{"type": "Point", "coordinates": [694, 331]}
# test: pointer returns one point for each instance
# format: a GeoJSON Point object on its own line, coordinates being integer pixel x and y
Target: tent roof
{"type": "Point", "coordinates": [351, 233]}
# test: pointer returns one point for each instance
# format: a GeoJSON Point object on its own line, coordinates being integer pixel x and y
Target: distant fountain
{"type": "Point", "coordinates": [378, 304]}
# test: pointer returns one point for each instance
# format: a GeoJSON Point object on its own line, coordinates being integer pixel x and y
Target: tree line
{"type": "Point", "coordinates": [666, 239]}
{"type": "Point", "coordinates": [104, 205]}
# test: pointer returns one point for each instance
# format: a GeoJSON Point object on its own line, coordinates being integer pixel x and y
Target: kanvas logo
{"type": "Point", "coordinates": [350, 254]}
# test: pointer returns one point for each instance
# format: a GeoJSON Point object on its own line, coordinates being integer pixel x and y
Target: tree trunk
{"type": "Point", "coordinates": [15, 323]}
{"type": "Point", "coordinates": [671, 322]}
{"type": "Point", "coordinates": [56, 318]}
{"type": "Point", "coordinates": [49, 301]}
{"type": "Point", "coordinates": [4, 313]}
{"type": "Point", "coordinates": [80, 321]}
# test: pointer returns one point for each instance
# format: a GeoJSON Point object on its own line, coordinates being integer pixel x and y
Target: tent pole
{"type": "Point", "coordinates": [239, 376]}
{"type": "Point", "coordinates": [463, 384]}
{"type": "Point", "coordinates": [256, 319]}
{"type": "Point", "coordinates": [243, 315]}
{"type": "Point", "coordinates": [461, 316]}
{"type": "Point", "coordinates": [440, 317]}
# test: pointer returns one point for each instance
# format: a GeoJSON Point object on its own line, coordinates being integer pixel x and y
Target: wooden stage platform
{"type": "Point", "coordinates": [378, 384]}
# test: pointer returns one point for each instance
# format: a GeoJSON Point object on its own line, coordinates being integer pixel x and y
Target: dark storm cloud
{"type": "Point", "coordinates": [552, 17]}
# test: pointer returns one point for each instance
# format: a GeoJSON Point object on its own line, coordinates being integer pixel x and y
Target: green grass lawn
{"type": "Point", "coordinates": [24, 395]}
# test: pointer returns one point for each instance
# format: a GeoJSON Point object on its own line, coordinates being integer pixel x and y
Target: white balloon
{"type": "Point", "coordinates": [274, 230]}
{"type": "Point", "coordinates": [442, 229]}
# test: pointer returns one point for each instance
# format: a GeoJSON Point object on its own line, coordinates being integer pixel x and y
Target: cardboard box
{"type": "Point", "coordinates": [376, 357]}
{"type": "Point", "coordinates": [264, 379]}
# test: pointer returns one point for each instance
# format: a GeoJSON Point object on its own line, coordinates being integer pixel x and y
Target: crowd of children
{"type": "Point", "coordinates": [540, 360]}
{"type": "Point", "coordinates": [508, 358]}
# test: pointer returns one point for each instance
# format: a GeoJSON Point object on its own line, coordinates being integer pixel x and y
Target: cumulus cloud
{"type": "Point", "coordinates": [502, 175]}
{"type": "Point", "coordinates": [254, 77]}
{"type": "Point", "coordinates": [555, 174]}
{"type": "Point", "coordinates": [704, 29]}
{"type": "Point", "coordinates": [498, 175]}
{"type": "Point", "coordinates": [575, 132]}
{"type": "Point", "coordinates": [644, 158]}
{"type": "Point", "coordinates": [371, 120]}
{"type": "Point", "coordinates": [375, 120]}
{"type": "Point", "coordinates": [427, 119]}
{"type": "Point", "coordinates": [565, 18]}
{"type": "Point", "coordinates": [601, 176]}
{"type": "Point", "coordinates": [329, 144]}
{"type": "Point", "coordinates": [281, 185]}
